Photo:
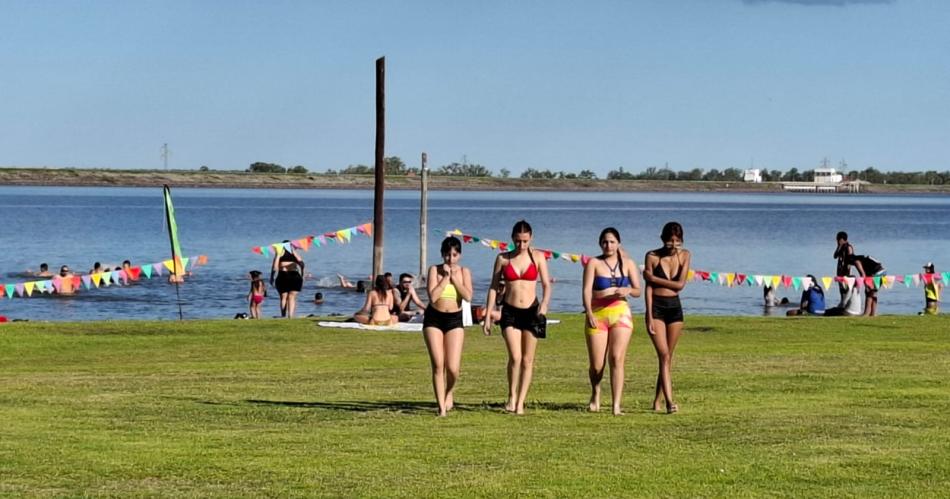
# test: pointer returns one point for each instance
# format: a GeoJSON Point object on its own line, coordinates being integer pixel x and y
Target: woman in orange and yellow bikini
{"type": "Point", "coordinates": [608, 280]}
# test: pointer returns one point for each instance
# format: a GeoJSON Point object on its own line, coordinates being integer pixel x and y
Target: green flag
{"type": "Point", "coordinates": [173, 233]}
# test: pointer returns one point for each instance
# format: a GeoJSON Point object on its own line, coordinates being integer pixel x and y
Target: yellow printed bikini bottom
{"type": "Point", "coordinates": [608, 315]}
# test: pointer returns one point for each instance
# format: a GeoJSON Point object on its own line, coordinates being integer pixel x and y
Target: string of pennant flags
{"type": "Point", "coordinates": [736, 279]}
{"type": "Point", "coordinates": [98, 279]}
{"type": "Point", "coordinates": [341, 236]}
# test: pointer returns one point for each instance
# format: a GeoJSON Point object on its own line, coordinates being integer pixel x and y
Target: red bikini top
{"type": "Point", "coordinates": [529, 274]}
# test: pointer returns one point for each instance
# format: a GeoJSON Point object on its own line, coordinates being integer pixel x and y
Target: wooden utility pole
{"type": "Point", "coordinates": [423, 219]}
{"type": "Point", "coordinates": [380, 166]}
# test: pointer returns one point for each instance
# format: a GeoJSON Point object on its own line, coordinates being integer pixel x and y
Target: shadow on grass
{"type": "Point", "coordinates": [401, 406]}
{"type": "Point", "coordinates": [405, 406]}
{"type": "Point", "coordinates": [411, 407]}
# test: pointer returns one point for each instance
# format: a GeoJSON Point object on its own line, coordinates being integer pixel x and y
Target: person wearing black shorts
{"type": "Point", "coordinates": [665, 271]}
{"type": "Point", "coordinates": [448, 284]}
{"type": "Point", "coordinates": [522, 268]}
{"type": "Point", "coordinates": [288, 267]}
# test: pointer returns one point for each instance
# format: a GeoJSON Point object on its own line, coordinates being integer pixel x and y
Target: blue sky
{"type": "Point", "coordinates": [528, 84]}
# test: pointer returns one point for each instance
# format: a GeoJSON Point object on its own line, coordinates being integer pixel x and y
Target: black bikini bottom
{"type": "Point", "coordinates": [524, 319]}
{"type": "Point", "coordinates": [443, 321]}
{"type": "Point", "coordinates": [667, 309]}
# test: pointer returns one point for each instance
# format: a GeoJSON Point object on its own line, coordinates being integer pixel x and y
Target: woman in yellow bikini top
{"type": "Point", "coordinates": [448, 284]}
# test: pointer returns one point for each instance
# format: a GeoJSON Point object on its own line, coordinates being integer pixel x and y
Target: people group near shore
{"type": "Point", "coordinates": [868, 271]}
{"type": "Point", "coordinates": [514, 303]}
{"type": "Point", "coordinates": [609, 280]}
{"type": "Point", "coordinates": [519, 295]}
{"type": "Point", "coordinates": [66, 282]}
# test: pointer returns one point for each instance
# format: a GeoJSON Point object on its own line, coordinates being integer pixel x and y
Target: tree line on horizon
{"type": "Point", "coordinates": [395, 166]}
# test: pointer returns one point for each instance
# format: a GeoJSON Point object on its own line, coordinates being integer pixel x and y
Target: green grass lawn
{"type": "Point", "coordinates": [768, 406]}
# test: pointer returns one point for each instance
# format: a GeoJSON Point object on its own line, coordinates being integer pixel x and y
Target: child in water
{"type": "Point", "coordinates": [255, 297]}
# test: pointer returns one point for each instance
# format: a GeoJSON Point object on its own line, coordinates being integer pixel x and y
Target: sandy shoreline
{"type": "Point", "coordinates": [241, 180]}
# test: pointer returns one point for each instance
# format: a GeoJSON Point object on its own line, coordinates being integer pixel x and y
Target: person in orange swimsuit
{"type": "Point", "coordinates": [608, 280]}
{"type": "Point", "coordinates": [522, 268]}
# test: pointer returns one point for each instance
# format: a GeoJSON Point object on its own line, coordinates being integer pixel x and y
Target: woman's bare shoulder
{"type": "Point", "coordinates": [628, 262]}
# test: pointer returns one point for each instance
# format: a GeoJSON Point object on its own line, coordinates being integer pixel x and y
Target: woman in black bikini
{"type": "Point", "coordinates": [520, 311]}
{"type": "Point", "coordinates": [288, 267]}
{"type": "Point", "coordinates": [665, 271]}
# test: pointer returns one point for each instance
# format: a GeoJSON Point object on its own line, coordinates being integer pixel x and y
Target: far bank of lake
{"type": "Point", "coordinates": [75, 177]}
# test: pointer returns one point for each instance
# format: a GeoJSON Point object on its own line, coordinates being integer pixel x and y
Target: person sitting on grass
{"type": "Point", "coordinates": [813, 300]}
{"type": "Point", "coordinates": [407, 298]}
{"type": "Point", "coordinates": [379, 301]}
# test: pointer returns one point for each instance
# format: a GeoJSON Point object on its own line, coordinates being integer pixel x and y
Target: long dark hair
{"type": "Point", "coordinates": [381, 285]}
{"type": "Point", "coordinates": [816, 284]}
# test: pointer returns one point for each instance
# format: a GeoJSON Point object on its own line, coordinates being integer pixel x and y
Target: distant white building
{"type": "Point", "coordinates": [827, 176]}
{"type": "Point", "coordinates": [826, 180]}
{"type": "Point", "coordinates": [752, 175]}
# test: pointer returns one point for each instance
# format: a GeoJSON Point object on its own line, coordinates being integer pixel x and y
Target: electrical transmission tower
{"type": "Point", "coordinates": [165, 155]}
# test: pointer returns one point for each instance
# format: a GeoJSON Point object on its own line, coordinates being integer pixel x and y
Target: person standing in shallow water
{"type": "Point", "coordinates": [608, 280]}
{"type": "Point", "coordinates": [448, 284]}
{"type": "Point", "coordinates": [522, 268]}
{"type": "Point", "coordinates": [665, 271]}
{"type": "Point", "coordinates": [288, 267]}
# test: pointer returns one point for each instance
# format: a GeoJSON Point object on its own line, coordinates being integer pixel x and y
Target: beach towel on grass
{"type": "Point", "coordinates": [402, 326]}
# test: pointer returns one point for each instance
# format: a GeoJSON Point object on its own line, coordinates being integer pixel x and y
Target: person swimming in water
{"type": "Point", "coordinates": [66, 283]}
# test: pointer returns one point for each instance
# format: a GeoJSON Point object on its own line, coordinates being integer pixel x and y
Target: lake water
{"type": "Point", "coordinates": [749, 233]}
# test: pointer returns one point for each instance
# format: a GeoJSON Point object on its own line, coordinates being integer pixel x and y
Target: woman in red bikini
{"type": "Point", "coordinates": [521, 269]}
